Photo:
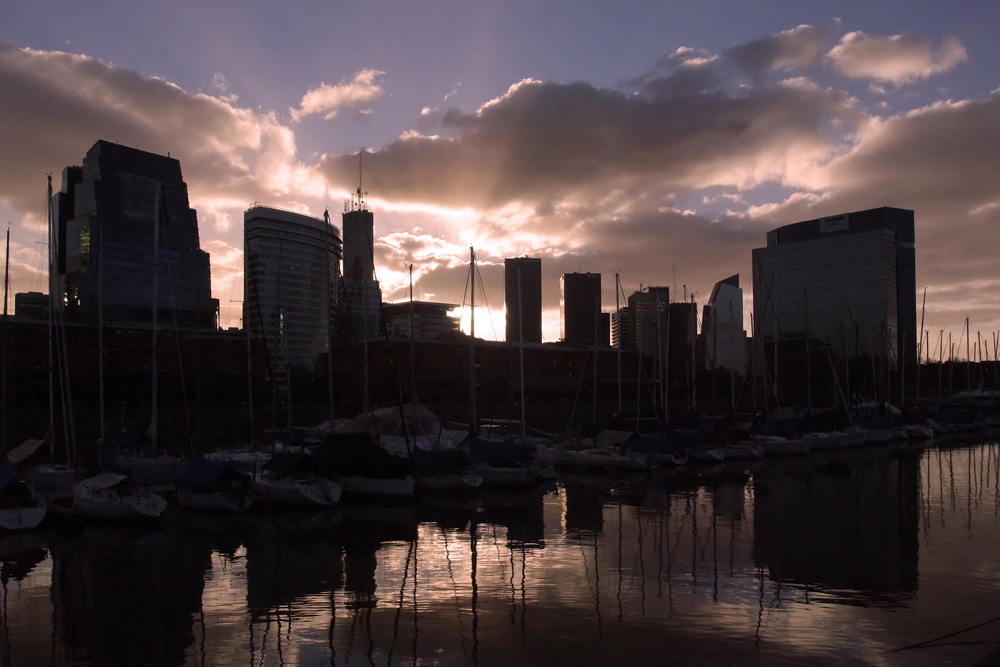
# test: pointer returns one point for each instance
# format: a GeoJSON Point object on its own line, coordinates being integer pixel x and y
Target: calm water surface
{"type": "Point", "coordinates": [860, 557]}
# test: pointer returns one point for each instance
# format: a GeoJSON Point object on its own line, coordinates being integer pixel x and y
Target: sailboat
{"type": "Point", "coordinates": [213, 486]}
{"type": "Point", "coordinates": [46, 477]}
{"type": "Point", "coordinates": [294, 478]}
{"type": "Point", "coordinates": [507, 463]}
{"type": "Point", "coordinates": [156, 467]}
{"type": "Point", "coordinates": [111, 495]}
{"type": "Point", "coordinates": [21, 506]}
{"type": "Point", "coordinates": [115, 497]}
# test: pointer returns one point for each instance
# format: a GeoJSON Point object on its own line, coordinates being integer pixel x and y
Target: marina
{"type": "Point", "coordinates": [857, 555]}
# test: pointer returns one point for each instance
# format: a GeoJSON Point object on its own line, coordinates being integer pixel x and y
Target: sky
{"type": "Point", "coordinates": [659, 140]}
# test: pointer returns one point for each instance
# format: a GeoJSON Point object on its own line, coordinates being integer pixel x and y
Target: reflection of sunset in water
{"type": "Point", "coordinates": [839, 559]}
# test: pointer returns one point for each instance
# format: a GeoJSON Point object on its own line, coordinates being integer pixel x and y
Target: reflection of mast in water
{"type": "Point", "coordinates": [416, 547]}
{"type": "Point", "coordinates": [941, 485]}
{"type": "Point", "coordinates": [715, 552]}
{"type": "Point", "coordinates": [454, 586]}
{"type": "Point", "coordinates": [597, 590]}
{"type": "Point", "coordinates": [399, 608]}
{"type": "Point", "coordinates": [524, 604]}
{"type": "Point", "coordinates": [694, 539]}
{"type": "Point", "coordinates": [621, 611]}
{"type": "Point", "coordinates": [473, 543]}
{"type": "Point", "coordinates": [951, 476]}
{"type": "Point", "coordinates": [760, 607]}
{"type": "Point", "coordinates": [968, 496]}
{"type": "Point", "coordinates": [513, 604]}
{"type": "Point", "coordinates": [996, 481]}
{"type": "Point", "coordinates": [642, 564]}
{"type": "Point", "coordinates": [333, 626]}
{"type": "Point", "coordinates": [5, 626]}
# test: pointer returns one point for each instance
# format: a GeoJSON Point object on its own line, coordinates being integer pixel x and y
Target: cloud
{"type": "Point", "coordinates": [545, 142]}
{"type": "Point", "coordinates": [56, 105]}
{"type": "Point", "coordinates": [635, 179]}
{"type": "Point", "coordinates": [896, 59]}
{"type": "Point", "coordinates": [940, 161]}
{"type": "Point", "coordinates": [798, 48]}
{"type": "Point", "coordinates": [328, 99]}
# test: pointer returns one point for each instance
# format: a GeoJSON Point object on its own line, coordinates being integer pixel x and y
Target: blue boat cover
{"type": "Point", "coordinates": [501, 453]}
{"type": "Point", "coordinates": [650, 444]}
{"type": "Point", "coordinates": [439, 461]}
{"type": "Point", "coordinates": [7, 474]}
{"type": "Point", "coordinates": [200, 472]}
{"type": "Point", "coordinates": [354, 454]}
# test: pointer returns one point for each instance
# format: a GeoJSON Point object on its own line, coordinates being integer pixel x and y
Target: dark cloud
{"type": "Point", "coordinates": [798, 48]}
{"type": "Point", "coordinates": [941, 162]}
{"type": "Point", "coordinates": [542, 142]}
{"type": "Point", "coordinates": [55, 105]}
{"type": "Point", "coordinates": [895, 59]}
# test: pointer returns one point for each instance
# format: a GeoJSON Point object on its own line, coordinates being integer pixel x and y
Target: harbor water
{"type": "Point", "coordinates": [860, 557]}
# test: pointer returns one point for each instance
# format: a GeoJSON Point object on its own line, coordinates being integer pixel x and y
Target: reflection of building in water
{"type": "Point", "coordinates": [123, 597]}
{"type": "Point", "coordinates": [584, 509]}
{"type": "Point", "coordinates": [730, 501]}
{"type": "Point", "coordinates": [360, 565]}
{"type": "Point", "coordinates": [284, 567]}
{"type": "Point", "coordinates": [521, 511]}
{"type": "Point", "coordinates": [855, 529]}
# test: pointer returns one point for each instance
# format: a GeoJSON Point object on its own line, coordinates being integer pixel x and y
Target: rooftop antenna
{"type": "Point", "coordinates": [357, 201]}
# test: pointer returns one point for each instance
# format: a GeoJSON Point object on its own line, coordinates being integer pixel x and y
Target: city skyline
{"type": "Point", "coordinates": [667, 152]}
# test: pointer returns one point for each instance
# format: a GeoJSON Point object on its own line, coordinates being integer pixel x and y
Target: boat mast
{"type": "Point", "coordinates": [364, 314]}
{"type": "Point", "coordinates": [618, 316]}
{"type": "Point", "coordinates": [694, 353]}
{"type": "Point", "coordinates": [666, 369]}
{"type": "Point", "coordinates": [520, 338]}
{"type": "Point", "coordinates": [52, 307]}
{"type": "Point", "coordinates": [6, 286]}
{"type": "Point", "coordinates": [100, 322]}
{"type": "Point", "coordinates": [157, 205]}
{"type": "Point", "coordinates": [472, 340]}
{"type": "Point", "coordinates": [248, 268]}
{"type": "Point", "coordinates": [329, 316]}
{"type": "Point", "coordinates": [413, 334]}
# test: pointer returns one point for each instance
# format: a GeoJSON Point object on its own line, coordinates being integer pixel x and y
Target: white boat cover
{"type": "Point", "coordinates": [612, 438]}
{"type": "Point", "coordinates": [24, 450]}
{"type": "Point", "coordinates": [104, 481]}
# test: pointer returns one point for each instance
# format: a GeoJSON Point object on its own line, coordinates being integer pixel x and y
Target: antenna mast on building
{"type": "Point", "coordinates": [357, 202]}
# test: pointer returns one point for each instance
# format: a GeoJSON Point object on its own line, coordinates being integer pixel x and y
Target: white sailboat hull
{"type": "Point", "coordinates": [380, 486]}
{"type": "Point", "coordinates": [704, 455]}
{"type": "Point", "coordinates": [447, 482]}
{"type": "Point", "coordinates": [736, 452]}
{"type": "Point", "coordinates": [782, 447]}
{"type": "Point", "coordinates": [833, 440]}
{"type": "Point", "coordinates": [603, 458]}
{"type": "Point", "coordinates": [498, 476]}
{"type": "Point", "coordinates": [117, 505]}
{"type": "Point", "coordinates": [213, 502]}
{"type": "Point", "coordinates": [22, 518]}
{"type": "Point", "coordinates": [49, 478]}
{"type": "Point", "coordinates": [299, 493]}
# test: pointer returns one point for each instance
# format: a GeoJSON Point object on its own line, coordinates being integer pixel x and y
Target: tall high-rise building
{"type": "Point", "coordinates": [621, 327]}
{"type": "Point", "coordinates": [290, 278]}
{"type": "Point", "coordinates": [526, 312]}
{"type": "Point", "coordinates": [115, 205]}
{"type": "Point", "coordinates": [580, 299]}
{"type": "Point", "coordinates": [722, 332]}
{"type": "Point", "coordinates": [647, 310]}
{"type": "Point", "coordinates": [849, 279]}
{"type": "Point", "coordinates": [362, 296]}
